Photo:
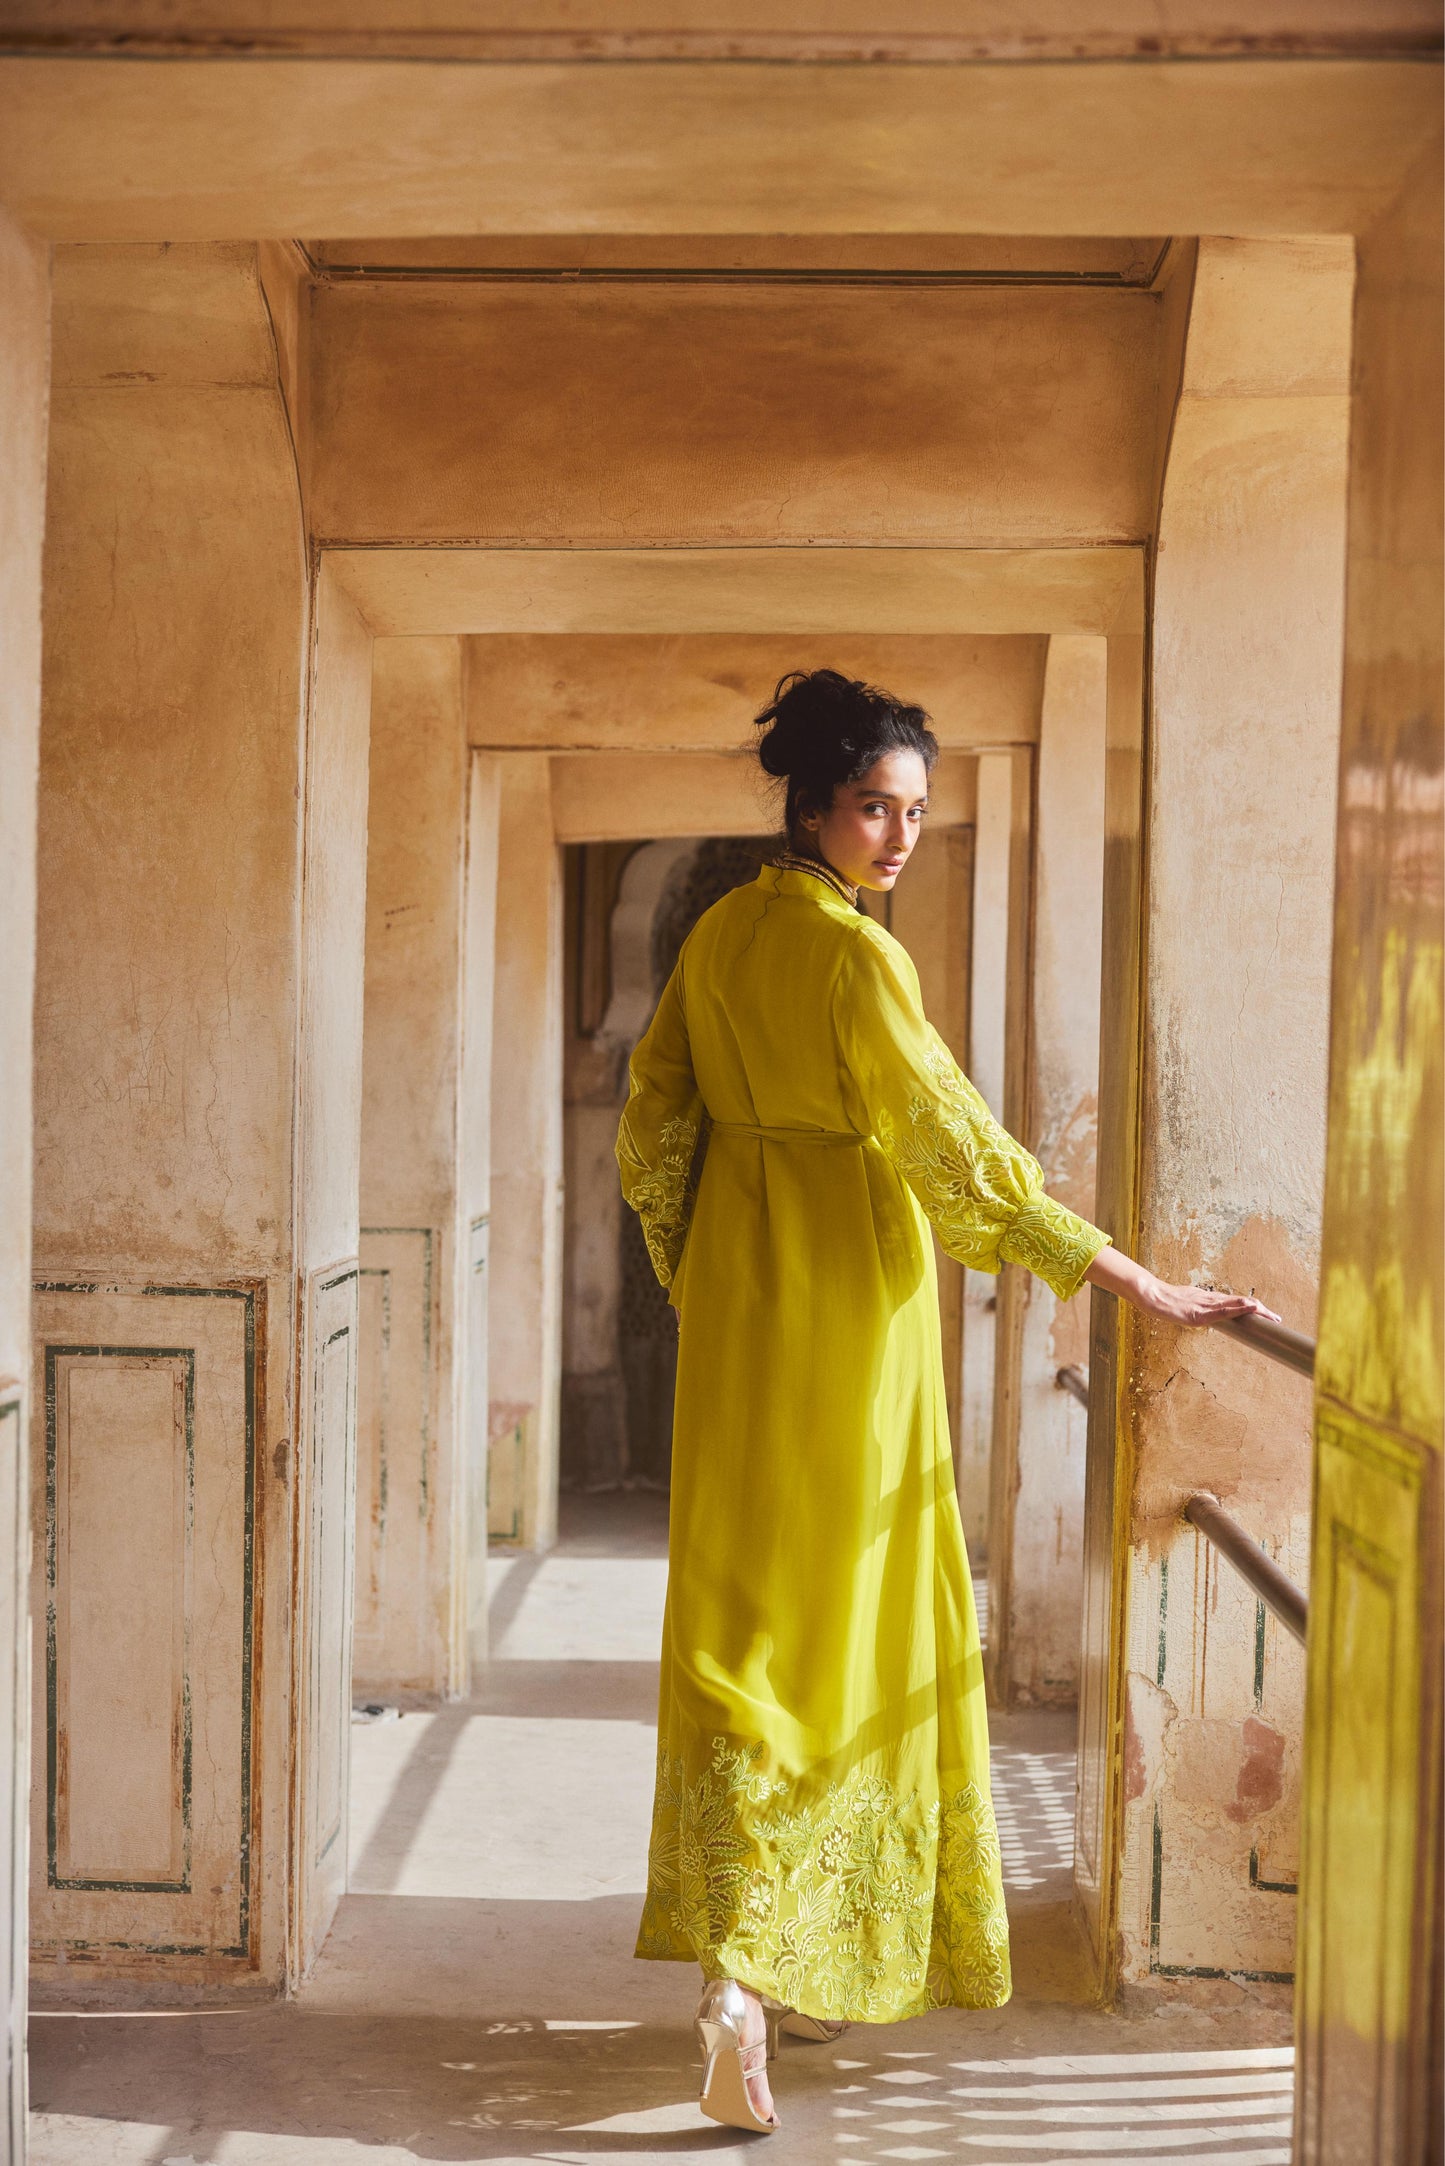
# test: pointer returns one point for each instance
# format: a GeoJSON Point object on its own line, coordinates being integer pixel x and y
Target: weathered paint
{"type": "Point", "coordinates": [525, 1319]}
{"type": "Point", "coordinates": [24, 387]}
{"type": "Point", "coordinates": [1236, 1008]}
{"type": "Point", "coordinates": [179, 149]}
{"type": "Point", "coordinates": [1042, 1626]}
{"type": "Point", "coordinates": [410, 1483]}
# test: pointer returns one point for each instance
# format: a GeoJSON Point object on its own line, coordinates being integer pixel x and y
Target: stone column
{"type": "Point", "coordinates": [1007, 1289]}
{"type": "Point", "coordinates": [1042, 1629]}
{"type": "Point", "coordinates": [474, 1176]}
{"type": "Point", "coordinates": [1240, 819]}
{"type": "Point", "coordinates": [411, 1475]}
{"type": "Point", "coordinates": [524, 1329]}
{"type": "Point", "coordinates": [198, 1012]}
{"type": "Point", "coordinates": [24, 386]}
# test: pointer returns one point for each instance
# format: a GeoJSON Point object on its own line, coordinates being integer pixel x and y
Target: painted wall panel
{"type": "Point", "coordinates": [148, 1436]}
{"type": "Point", "coordinates": [121, 1453]}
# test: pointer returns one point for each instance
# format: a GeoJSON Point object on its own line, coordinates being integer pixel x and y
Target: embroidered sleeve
{"type": "Point", "coordinates": [982, 1190]}
{"type": "Point", "coordinates": [659, 1131]}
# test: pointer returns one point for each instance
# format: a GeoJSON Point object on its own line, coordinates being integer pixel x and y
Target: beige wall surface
{"type": "Point", "coordinates": [1247, 651]}
{"type": "Point", "coordinates": [1046, 1579]}
{"type": "Point", "coordinates": [408, 1485]}
{"type": "Point", "coordinates": [719, 414]}
{"type": "Point", "coordinates": [524, 1342]}
{"type": "Point", "coordinates": [699, 691]}
{"type": "Point", "coordinates": [174, 636]}
{"type": "Point", "coordinates": [807, 590]}
{"type": "Point", "coordinates": [24, 384]}
{"type": "Point", "coordinates": [175, 784]}
{"type": "Point", "coordinates": [232, 147]}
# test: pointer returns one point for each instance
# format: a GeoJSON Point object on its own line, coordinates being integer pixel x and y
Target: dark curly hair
{"type": "Point", "coordinates": [823, 729]}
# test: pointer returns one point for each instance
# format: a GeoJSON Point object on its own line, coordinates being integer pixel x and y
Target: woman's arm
{"type": "Point", "coordinates": [1156, 1297]}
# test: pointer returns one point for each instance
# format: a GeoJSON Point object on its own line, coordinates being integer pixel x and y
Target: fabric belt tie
{"type": "Point", "coordinates": [828, 1138]}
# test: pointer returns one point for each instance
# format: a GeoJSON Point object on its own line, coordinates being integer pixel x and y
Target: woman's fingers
{"type": "Point", "coordinates": [1238, 1305]}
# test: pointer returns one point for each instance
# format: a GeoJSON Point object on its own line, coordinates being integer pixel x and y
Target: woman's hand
{"type": "Point", "coordinates": [1119, 1274]}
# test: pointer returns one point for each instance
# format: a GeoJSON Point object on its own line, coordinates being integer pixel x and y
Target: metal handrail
{"type": "Point", "coordinates": [1075, 1381]}
{"type": "Point", "coordinates": [1281, 1344]}
{"type": "Point", "coordinates": [1275, 1589]}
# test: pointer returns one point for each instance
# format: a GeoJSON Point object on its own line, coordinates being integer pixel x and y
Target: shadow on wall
{"type": "Point", "coordinates": [620, 1352]}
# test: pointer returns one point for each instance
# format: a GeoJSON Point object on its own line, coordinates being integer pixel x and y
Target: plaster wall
{"type": "Point", "coordinates": [24, 390]}
{"type": "Point", "coordinates": [197, 1094]}
{"type": "Point", "coordinates": [807, 591]}
{"type": "Point", "coordinates": [525, 1301]}
{"type": "Point", "coordinates": [1046, 1580]}
{"type": "Point", "coordinates": [474, 1174]}
{"type": "Point", "coordinates": [410, 1483]}
{"type": "Point", "coordinates": [1247, 647]}
{"type": "Point", "coordinates": [699, 413]}
{"type": "Point", "coordinates": [233, 144]}
{"type": "Point", "coordinates": [698, 692]}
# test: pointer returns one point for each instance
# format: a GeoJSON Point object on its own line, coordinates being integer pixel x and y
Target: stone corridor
{"type": "Point", "coordinates": [477, 1999]}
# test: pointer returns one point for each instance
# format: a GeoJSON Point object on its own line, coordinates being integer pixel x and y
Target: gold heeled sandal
{"type": "Point", "coordinates": [818, 2030]}
{"type": "Point", "coordinates": [727, 2062]}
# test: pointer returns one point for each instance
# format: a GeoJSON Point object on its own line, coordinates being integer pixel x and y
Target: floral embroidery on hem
{"type": "Point", "coordinates": [863, 1902]}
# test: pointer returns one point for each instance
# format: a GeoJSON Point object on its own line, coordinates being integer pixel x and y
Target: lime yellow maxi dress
{"type": "Point", "coordinates": [822, 1826]}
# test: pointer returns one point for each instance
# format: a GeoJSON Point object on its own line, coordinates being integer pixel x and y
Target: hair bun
{"type": "Point", "coordinates": [823, 728]}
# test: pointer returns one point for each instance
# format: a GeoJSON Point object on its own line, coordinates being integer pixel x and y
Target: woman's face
{"type": "Point", "coordinates": [872, 824]}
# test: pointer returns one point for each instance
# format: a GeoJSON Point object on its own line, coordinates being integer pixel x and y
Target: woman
{"type": "Point", "coordinates": [823, 1839]}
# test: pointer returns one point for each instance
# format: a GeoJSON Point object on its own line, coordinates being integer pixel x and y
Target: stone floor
{"type": "Point", "coordinates": [477, 1999]}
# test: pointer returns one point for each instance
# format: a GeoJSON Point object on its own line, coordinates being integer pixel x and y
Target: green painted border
{"type": "Point", "coordinates": [247, 1296]}
{"type": "Point", "coordinates": [56, 1352]}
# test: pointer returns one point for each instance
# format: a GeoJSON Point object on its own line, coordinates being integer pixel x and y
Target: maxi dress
{"type": "Point", "coordinates": [822, 1824]}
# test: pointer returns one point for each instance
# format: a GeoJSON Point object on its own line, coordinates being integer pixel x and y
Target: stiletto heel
{"type": "Point", "coordinates": [727, 2062]}
{"type": "Point", "coordinates": [780, 2017]}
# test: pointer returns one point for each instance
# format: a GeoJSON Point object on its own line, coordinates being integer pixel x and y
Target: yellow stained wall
{"type": "Point", "coordinates": [1368, 2016]}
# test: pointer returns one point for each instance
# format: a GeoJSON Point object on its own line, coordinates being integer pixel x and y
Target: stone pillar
{"type": "Point", "coordinates": [1008, 1288]}
{"type": "Point", "coordinates": [1041, 1632]}
{"type": "Point", "coordinates": [987, 995]}
{"type": "Point", "coordinates": [524, 1328]}
{"type": "Point", "coordinates": [24, 386]}
{"type": "Point", "coordinates": [474, 1175]}
{"type": "Point", "coordinates": [1368, 2013]}
{"type": "Point", "coordinates": [411, 1472]}
{"type": "Point", "coordinates": [198, 1012]}
{"type": "Point", "coordinates": [1241, 794]}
